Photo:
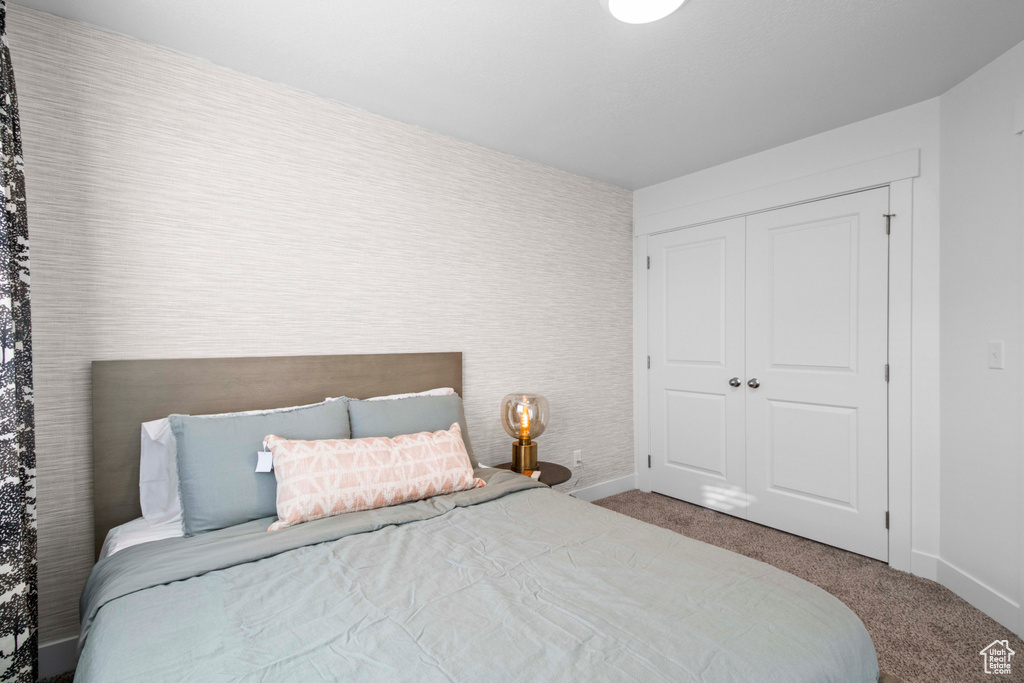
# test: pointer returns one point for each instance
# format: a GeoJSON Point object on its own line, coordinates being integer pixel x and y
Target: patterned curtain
{"type": "Point", "coordinates": [19, 659]}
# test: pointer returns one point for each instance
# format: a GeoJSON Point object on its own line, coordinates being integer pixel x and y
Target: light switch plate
{"type": "Point", "coordinates": [995, 355]}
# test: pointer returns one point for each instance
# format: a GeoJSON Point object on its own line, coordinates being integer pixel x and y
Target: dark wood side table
{"type": "Point", "coordinates": [550, 473]}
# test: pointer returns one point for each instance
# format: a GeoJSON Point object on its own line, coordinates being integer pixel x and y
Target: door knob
{"type": "Point", "coordinates": [753, 384]}
{"type": "Point", "coordinates": [735, 382]}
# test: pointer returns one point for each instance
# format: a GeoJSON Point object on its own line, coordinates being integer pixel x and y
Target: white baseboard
{"type": "Point", "coordinates": [58, 656]}
{"type": "Point", "coordinates": [924, 565]}
{"type": "Point", "coordinates": [990, 601]}
{"type": "Point", "coordinates": [605, 488]}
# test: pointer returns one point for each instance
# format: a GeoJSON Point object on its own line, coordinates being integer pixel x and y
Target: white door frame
{"type": "Point", "coordinates": [896, 171]}
{"type": "Point", "coordinates": [1018, 129]}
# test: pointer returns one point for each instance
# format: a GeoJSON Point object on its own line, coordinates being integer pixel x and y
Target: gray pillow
{"type": "Point", "coordinates": [217, 480]}
{"type": "Point", "coordinates": [409, 416]}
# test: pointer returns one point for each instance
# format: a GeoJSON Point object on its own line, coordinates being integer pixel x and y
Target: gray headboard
{"type": "Point", "coordinates": [126, 393]}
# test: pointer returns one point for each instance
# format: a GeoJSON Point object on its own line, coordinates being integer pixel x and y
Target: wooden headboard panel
{"type": "Point", "coordinates": [126, 393]}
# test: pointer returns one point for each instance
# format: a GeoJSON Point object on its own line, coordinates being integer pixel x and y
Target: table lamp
{"type": "Point", "coordinates": [524, 417]}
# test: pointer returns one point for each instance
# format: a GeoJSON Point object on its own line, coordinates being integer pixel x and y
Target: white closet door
{"type": "Point", "coordinates": [696, 347]}
{"type": "Point", "coordinates": [817, 309]}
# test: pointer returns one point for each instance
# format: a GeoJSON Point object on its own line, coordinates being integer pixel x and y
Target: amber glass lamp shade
{"type": "Point", "coordinates": [524, 417]}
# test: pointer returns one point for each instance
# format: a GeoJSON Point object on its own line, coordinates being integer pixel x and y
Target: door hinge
{"type": "Point", "coordinates": [888, 222]}
{"type": "Point", "coordinates": [648, 362]}
{"type": "Point", "coordinates": [886, 519]}
{"type": "Point", "coordinates": [649, 463]}
{"type": "Point", "coordinates": [886, 372]}
{"type": "Point", "coordinates": [648, 263]}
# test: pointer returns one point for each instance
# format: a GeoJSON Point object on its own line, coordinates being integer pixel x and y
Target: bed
{"type": "Point", "coordinates": [509, 581]}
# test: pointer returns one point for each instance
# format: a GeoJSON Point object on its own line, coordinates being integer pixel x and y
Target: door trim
{"type": "Point", "coordinates": [641, 413]}
{"type": "Point", "coordinates": [900, 355]}
{"type": "Point", "coordinates": [901, 196]}
{"type": "Point", "coordinates": [829, 183]}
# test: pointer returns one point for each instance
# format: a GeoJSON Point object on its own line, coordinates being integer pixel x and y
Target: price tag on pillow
{"type": "Point", "coordinates": [265, 461]}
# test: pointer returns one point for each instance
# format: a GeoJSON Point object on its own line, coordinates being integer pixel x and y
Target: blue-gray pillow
{"type": "Point", "coordinates": [217, 480]}
{"type": "Point", "coordinates": [409, 416]}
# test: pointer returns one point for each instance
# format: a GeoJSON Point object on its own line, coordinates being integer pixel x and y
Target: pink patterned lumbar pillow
{"type": "Point", "coordinates": [317, 479]}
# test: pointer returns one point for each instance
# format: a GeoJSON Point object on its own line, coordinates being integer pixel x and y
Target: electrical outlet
{"type": "Point", "coordinates": [577, 458]}
{"type": "Point", "coordinates": [995, 355]}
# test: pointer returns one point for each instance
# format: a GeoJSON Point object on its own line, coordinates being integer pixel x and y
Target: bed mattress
{"type": "Point", "coordinates": [511, 581]}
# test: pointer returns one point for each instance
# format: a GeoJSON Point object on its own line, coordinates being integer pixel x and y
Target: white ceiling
{"type": "Point", "coordinates": [562, 83]}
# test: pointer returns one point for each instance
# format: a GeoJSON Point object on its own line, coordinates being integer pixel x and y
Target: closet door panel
{"type": "Point", "coordinates": [816, 347]}
{"type": "Point", "coordinates": [696, 346]}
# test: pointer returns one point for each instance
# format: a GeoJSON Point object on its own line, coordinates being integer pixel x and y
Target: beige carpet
{"type": "Point", "coordinates": [922, 631]}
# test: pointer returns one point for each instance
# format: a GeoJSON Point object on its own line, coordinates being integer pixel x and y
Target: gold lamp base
{"type": "Point", "coordinates": [524, 455]}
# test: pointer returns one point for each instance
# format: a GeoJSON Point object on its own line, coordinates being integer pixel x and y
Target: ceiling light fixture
{"type": "Point", "coordinates": [641, 11]}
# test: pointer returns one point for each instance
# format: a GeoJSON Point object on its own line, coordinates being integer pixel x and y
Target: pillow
{"type": "Point", "coordinates": [445, 391]}
{"type": "Point", "coordinates": [135, 532]}
{"type": "Point", "coordinates": [158, 474]}
{"type": "Point", "coordinates": [217, 456]}
{"type": "Point", "coordinates": [317, 479]}
{"type": "Point", "coordinates": [409, 416]}
{"type": "Point", "coordinates": [158, 468]}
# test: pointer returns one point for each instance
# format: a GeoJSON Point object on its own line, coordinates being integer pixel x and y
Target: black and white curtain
{"type": "Point", "coordinates": [18, 597]}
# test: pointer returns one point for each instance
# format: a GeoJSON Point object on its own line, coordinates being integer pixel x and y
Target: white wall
{"type": "Point", "coordinates": [177, 209]}
{"type": "Point", "coordinates": [912, 127]}
{"type": "Point", "coordinates": [982, 409]}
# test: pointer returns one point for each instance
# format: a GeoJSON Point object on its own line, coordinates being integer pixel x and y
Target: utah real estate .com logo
{"type": "Point", "coordinates": [997, 657]}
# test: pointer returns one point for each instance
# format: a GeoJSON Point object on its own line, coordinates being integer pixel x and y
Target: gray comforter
{"type": "Point", "coordinates": [511, 581]}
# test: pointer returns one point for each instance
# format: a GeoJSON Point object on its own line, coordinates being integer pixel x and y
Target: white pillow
{"type": "Point", "coordinates": [445, 391]}
{"type": "Point", "coordinates": [135, 532]}
{"type": "Point", "coordinates": [158, 474]}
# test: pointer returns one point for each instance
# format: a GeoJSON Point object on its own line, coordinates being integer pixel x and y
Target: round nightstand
{"type": "Point", "coordinates": [550, 473]}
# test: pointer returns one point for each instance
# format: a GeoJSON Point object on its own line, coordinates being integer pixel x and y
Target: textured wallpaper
{"type": "Point", "coordinates": [178, 209]}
